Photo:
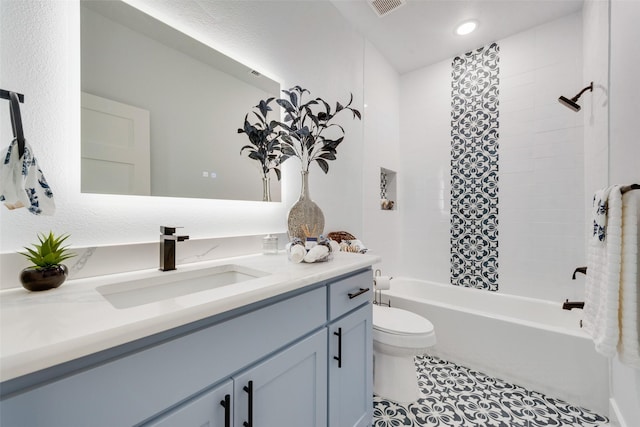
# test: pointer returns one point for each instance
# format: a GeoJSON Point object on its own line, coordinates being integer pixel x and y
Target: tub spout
{"type": "Point", "coordinates": [569, 305]}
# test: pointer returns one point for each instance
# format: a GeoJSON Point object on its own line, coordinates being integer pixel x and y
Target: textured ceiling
{"type": "Point", "coordinates": [421, 32]}
{"type": "Point", "coordinates": [417, 34]}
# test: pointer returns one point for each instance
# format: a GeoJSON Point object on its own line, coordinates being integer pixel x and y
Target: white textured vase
{"type": "Point", "coordinates": [305, 218]}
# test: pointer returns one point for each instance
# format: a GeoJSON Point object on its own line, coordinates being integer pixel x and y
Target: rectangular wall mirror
{"type": "Point", "coordinates": [160, 110]}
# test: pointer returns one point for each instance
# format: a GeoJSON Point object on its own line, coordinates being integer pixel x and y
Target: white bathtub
{"type": "Point", "coordinates": [529, 342]}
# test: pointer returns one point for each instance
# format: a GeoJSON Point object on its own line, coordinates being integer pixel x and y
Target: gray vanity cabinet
{"type": "Point", "coordinates": [205, 410]}
{"type": "Point", "coordinates": [350, 382]}
{"type": "Point", "coordinates": [289, 389]}
{"type": "Point", "coordinates": [350, 352]}
{"type": "Point", "coordinates": [273, 362]}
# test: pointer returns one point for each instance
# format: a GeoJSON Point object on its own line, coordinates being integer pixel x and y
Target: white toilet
{"type": "Point", "coordinates": [398, 336]}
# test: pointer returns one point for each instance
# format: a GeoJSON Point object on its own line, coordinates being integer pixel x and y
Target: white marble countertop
{"type": "Point", "coordinates": [43, 329]}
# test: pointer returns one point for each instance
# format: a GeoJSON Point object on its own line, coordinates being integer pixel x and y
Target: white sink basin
{"type": "Point", "coordinates": [175, 284]}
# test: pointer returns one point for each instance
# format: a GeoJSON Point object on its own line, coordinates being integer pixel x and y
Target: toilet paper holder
{"type": "Point", "coordinates": [377, 293]}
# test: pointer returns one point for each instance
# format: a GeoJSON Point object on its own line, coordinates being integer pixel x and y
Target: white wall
{"type": "Point", "coordinates": [541, 162]}
{"type": "Point", "coordinates": [40, 58]}
{"type": "Point", "coordinates": [381, 228]}
{"type": "Point", "coordinates": [595, 111]}
{"type": "Point", "coordinates": [424, 180]}
{"type": "Point", "coordinates": [595, 107]}
{"type": "Point", "coordinates": [541, 215]}
{"type": "Point", "coordinates": [624, 162]}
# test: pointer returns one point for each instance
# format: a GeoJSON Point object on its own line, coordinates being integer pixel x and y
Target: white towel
{"type": "Point", "coordinates": [602, 287]}
{"type": "Point", "coordinates": [629, 345]}
{"type": "Point", "coordinates": [316, 253]}
{"type": "Point", "coordinates": [295, 252]}
{"type": "Point", "coordinates": [335, 246]}
{"type": "Point", "coordinates": [22, 183]}
{"type": "Point", "coordinates": [599, 214]}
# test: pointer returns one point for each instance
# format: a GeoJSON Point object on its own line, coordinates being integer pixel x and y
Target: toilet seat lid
{"type": "Point", "coordinates": [400, 322]}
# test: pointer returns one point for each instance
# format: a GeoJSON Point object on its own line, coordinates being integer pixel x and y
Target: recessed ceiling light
{"type": "Point", "coordinates": [466, 28]}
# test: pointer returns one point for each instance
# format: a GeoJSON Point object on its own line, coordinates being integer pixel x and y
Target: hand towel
{"type": "Point", "coordinates": [602, 287]}
{"type": "Point", "coordinates": [629, 345]}
{"type": "Point", "coordinates": [22, 183]}
{"type": "Point", "coordinates": [599, 214]}
{"type": "Point", "coordinates": [316, 253]}
{"type": "Point", "coordinates": [335, 246]}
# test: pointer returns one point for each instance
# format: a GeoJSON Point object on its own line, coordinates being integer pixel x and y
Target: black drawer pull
{"type": "Point", "coordinates": [249, 389]}
{"type": "Point", "coordinates": [226, 404]}
{"type": "Point", "coordinates": [360, 292]}
{"type": "Point", "coordinates": [339, 356]}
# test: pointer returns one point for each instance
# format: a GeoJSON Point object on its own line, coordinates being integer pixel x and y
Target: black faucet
{"type": "Point", "coordinates": [568, 305]}
{"type": "Point", "coordinates": [168, 247]}
{"type": "Point", "coordinates": [582, 270]}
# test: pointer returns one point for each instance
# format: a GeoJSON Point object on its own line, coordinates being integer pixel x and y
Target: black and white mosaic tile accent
{"type": "Point", "coordinates": [383, 184]}
{"type": "Point", "coordinates": [474, 169]}
{"type": "Point", "coordinates": [455, 396]}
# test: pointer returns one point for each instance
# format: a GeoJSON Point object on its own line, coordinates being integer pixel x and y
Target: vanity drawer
{"type": "Point", "coordinates": [349, 293]}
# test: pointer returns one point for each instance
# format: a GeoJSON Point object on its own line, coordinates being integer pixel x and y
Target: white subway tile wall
{"type": "Point", "coordinates": [541, 169]}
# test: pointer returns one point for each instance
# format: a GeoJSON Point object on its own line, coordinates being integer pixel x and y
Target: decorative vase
{"type": "Point", "coordinates": [42, 279]}
{"type": "Point", "coordinates": [266, 188]}
{"type": "Point", "coordinates": [305, 218]}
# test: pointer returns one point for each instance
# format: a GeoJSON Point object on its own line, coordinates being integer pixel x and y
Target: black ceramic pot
{"type": "Point", "coordinates": [41, 279]}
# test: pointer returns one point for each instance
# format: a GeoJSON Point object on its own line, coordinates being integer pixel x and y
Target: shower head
{"type": "Point", "coordinates": [569, 103]}
{"type": "Point", "coordinates": [573, 102]}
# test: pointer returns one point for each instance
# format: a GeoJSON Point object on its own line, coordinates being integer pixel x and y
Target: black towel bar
{"type": "Point", "coordinates": [16, 118]}
{"type": "Point", "coordinates": [4, 94]}
{"type": "Point", "coordinates": [626, 188]}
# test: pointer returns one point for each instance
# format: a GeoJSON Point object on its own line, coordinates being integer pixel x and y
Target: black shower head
{"type": "Point", "coordinates": [573, 102]}
{"type": "Point", "coordinates": [569, 103]}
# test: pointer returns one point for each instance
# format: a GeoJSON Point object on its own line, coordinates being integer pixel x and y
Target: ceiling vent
{"type": "Point", "coordinates": [385, 7]}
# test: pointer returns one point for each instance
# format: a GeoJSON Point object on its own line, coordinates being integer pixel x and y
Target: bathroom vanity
{"type": "Point", "coordinates": [292, 347]}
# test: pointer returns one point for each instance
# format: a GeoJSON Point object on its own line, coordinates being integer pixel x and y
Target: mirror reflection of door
{"type": "Point", "coordinates": [115, 147]}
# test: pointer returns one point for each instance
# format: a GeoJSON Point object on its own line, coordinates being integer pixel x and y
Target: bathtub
{"type": "Point", "coordinates": [526, 341]}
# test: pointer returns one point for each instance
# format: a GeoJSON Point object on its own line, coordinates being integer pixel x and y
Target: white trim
{"type": "Point", "coordinates": [615, 416]}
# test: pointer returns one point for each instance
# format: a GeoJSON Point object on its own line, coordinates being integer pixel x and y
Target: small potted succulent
{"type": "Point", "coordinates": [264, 144]}
{"type": "Point", "coordinates": [47, 271]}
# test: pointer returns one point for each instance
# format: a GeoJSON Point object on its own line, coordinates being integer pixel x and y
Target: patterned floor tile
{"type": "Point", "coordinates": [455, 396]}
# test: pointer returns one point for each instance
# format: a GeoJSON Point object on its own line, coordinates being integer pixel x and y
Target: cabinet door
{"type": "Point", "coordinates": [288, 389]}
{"type": "Point", "coordinates": [351, 377]}
{"type": "Point", "coordinates": [211, 409]}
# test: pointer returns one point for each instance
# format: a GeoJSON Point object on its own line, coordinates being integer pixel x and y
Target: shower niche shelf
{"type": "Point", "coordinates": [388, 193]}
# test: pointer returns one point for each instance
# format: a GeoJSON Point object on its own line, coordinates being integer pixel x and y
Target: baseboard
{"type": "Point", "coordinates": [615, 417]}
